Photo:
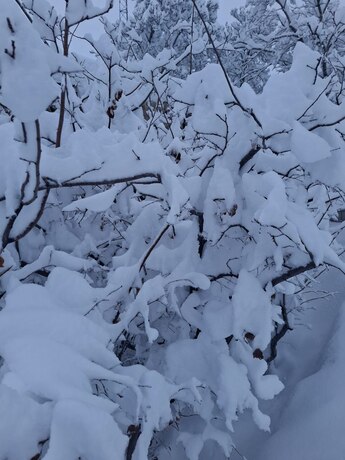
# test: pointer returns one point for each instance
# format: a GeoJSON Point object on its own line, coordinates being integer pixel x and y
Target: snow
{"type": "Point", "coordinates": [307, 417]}
{"type": "Point", "coordinates": [50, 257]}
{"type": "Point", "coordinates": [25, 420]}
{"type": "Point", "coordinates": [220, 199]}
{"type": "Point", "coordinates": [66, 373]}
{"type": "Point", "coordinates": [52, 323]}
{"type": "Point", "coordinates": [79, 430]}
{"type": "Point", "coordinates": [79, 10]}
{"type": "Point", "coordinates": [290, 91]}
{"type": "Point", "coordinates": [11, 176]}
{"type": "Point", "coordinates": [194, 444]}
{"type": "Point", "coordinates": [252, 310]}
{"type": "Point", "coordinates": [222, 374]}
{"type": "Point", "coordinates": [307, 146]}
{"type": "Point", "coordinates": [156, 400]}
{"type": "Point", "coordinates": [150, 261]}
{"type": "Point", "coordinates": [266, 194]}
{"type": "Point", "coordinates": [97, 203]}
{"type": "Point", "coordinates": [36, 85]}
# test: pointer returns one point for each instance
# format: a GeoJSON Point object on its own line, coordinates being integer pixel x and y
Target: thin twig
{"type": "Point", "coordinates": [232, 91]}
{"type": "Point", "coordinates": [154, 244]}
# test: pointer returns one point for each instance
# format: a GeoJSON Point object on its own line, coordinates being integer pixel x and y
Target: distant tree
{"type": "Point", "coordinates": [158, 25]}
{"type": "Point", "coordinates": [264, 34]}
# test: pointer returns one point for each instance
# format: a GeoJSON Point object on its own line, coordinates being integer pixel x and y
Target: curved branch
{"type": "Point", "coordinates": [154, 244]}
{"type": "Point", "coordinates": [293, 272]}
{"type": "Point", "coordinates": [250, 112]}
{"type": "Point", "coordinates": [23, 10]}
{"type": "Point", "coordinates": [94, 183]}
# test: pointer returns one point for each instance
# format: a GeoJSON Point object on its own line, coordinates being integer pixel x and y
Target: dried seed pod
{"type": "Point", "coordinates": [258, 354]}
{"type": "Point", "coordinates": [249, 336]}
{"type": "Point", "coordinates": [233, 210]}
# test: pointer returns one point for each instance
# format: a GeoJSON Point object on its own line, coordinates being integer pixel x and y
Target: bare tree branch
{"type": "Point", "coordinates": [250, 112]}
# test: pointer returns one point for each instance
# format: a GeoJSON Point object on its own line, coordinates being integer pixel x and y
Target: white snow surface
{"type": "Point", "coordinates": [308, 416]}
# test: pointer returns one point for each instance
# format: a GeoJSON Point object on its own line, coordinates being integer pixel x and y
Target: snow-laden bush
{"type": "Point", "coordinates": [149, 260]}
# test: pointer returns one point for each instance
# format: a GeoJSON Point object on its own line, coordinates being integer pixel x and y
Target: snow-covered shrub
{"type": "Point", "coordinates": [147, 262]}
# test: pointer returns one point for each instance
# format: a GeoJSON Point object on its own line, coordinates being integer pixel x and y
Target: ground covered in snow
{"type": "Point", "coordinates": [308, 417]}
